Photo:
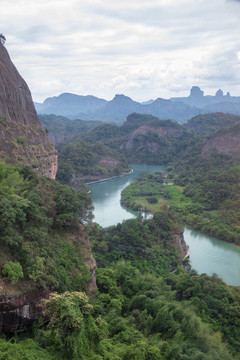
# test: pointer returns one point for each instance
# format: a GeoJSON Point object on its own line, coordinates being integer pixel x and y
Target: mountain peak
{"type": "Point", "coordinates": [121, 98]}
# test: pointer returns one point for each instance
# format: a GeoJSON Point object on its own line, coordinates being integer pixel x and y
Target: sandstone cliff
{"type": "Point", "coordinates": [22, 138]}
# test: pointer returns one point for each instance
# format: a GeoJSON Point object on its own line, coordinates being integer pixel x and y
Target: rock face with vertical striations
{"type": "Point", "coordinates": [22, 138]}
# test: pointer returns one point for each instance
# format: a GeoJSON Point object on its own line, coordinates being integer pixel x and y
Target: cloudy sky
{"type": "Point", "coordinates": [142, 48]}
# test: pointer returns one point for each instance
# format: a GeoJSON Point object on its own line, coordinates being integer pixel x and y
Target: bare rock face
{"type": "Point", "coordinates": [180, 244]}
{"type": "Point", "coordinates": [22, 138]}
{"type": "Point", "coordinates": [17, 313]}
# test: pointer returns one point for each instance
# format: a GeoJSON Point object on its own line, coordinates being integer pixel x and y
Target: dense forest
{"type": "Point", "coordinates": [61, 129]}
{"type": "Point", "coordinates": [146, 306]}
{"type": "Point", "coordinates": [204, 192]}
{"type": "Point", "coordinates": [147, 303]}
{"type": "Point", "coordinates": [39, 227]}
{"type": "Point", "coordinates": [80, 162]}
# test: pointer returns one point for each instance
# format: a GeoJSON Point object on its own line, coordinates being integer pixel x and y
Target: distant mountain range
{"type": "Point", "coordinates": [179, 109]}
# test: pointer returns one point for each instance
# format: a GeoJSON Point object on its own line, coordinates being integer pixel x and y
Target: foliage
{"type": "Point", "coordinates": [24, 349]}
{"type": "Point", "coordinates": [62, 129]}
{"type": "Point", "coordinates": [147, 244]}
{"type": "Point", "coordinates": [212, 184]}
{"type": "Point", "coordinates": [13, 271]}
{"type": "Point", "coordinates": [37, 215]}
{"type": "Point", "coordinates": [21, 140]}
{"type": "Point", "coordinates": [72, 324]}
{"type": "Point", "coordinates": [145, 186]}
{"type": "Point", "coordinates": [143, 310]}
{"type": "Point", "coordinates": [206, 124]}
{"type": "Point", "coordinates": [82, 160]}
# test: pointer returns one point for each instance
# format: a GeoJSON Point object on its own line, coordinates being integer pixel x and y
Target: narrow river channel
{"type": "Point", "coordinates": [207, 255]}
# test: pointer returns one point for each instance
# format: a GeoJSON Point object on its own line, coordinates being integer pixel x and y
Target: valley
{"type": "Point", "coordinates": [120, 287]}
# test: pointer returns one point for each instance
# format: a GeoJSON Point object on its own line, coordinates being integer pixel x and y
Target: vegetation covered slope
{"type": "Point", "coordinates": [204, 191]}
{"type": "Point", "coordinates": [39, 231]}
{"type": "Point", "coordinates": [142, 138]}
{"type": "Point", "coordinates": [206, 124]}
{"type": "Point", "coordinates": [146, 139]}
{"type": "Point", "coordinates": [147, 306]}
{"type": "Point", "coordinates": [142, 309]}
{"type": "Point", "coordinates": [82, 162]}
{"type": "Point", "coordinates": [61, 129]}
{"type": "Point", "coordinates": [225, 141]}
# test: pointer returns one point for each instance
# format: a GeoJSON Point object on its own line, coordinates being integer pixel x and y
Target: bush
{"type": "Point", "coordinates": [21, 140]}
{"type": "Point", "coordinates": [152, 200]}
{"type": "Point", "coordinates": [13, 271]}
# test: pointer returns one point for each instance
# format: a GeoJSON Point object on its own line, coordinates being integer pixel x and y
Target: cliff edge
{"type": "Point", "coordinates": [22, 138]}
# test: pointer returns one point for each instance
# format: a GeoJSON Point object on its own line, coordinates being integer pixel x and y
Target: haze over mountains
{"type": "Point", "coordinates": [179, 109]}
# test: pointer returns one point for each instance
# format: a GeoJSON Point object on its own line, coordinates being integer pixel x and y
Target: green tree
{"type": "Point", "coordinates": [13, 271]}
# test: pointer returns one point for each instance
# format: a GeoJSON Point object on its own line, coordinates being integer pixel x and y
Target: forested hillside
{"type": "Point", "coordinates": [62, 129]}
{"type": "Point", "coordinates": [142, 138]}
{"type": "Point", "coordinates": [206, 124]}
{"type": "Point", "coordinates": [204, 191]}
{"type": "Point", "coordinates": [36, 215]}
{"type": "Point", "coordinates": [144, 304]}
{"type": "Point", "coordinates": [80, 162]}
{"type": "Point", "coordinates": [147, 306]}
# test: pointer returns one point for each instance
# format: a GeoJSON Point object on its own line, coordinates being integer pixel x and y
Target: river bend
{"type": "Point", "coordinates": [207, 254]}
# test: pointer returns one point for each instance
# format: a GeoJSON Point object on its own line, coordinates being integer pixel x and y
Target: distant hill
{"type": "Point", "coordinates": [225, 141]}
{"type": "Point", "coordinates": [62, 129]}
{"type": "Point", "coordinates": [205, 124]}
{"type": "Point", "coordinates": [141, 139]}
{"type": "Point", "coordinates": [209, 103]}
{"type": "Point", "coordinates": [226, 107]}
{"type": "Point", "coordinates": [70, 105]}
{"type": "Point", "coordinates": [115, 110]}
{"type": "Point", "coordinates": [147, 139]}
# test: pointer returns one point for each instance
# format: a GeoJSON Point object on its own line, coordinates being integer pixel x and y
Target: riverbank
{"type": "Point", "coordinates": [152, 195]}
{"type": "Point", "coordinates": [110, 178]}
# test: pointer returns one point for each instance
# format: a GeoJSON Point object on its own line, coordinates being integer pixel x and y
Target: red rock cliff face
{"type": "Point", "coordinates": [17, 313]}
{"type": "Point", "coordinates": [22, 138]}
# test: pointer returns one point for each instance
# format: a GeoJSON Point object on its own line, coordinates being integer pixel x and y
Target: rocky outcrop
{"type": "Point", "coordinates": [17, 313]}
{"type": "Point", "coordinates": [196, 92]}
{"type": "Point", "coordinates": [22, 139]}
{"type": "Point", "coordinates": [180, 244]}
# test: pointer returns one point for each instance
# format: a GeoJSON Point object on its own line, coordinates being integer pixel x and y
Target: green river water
{"type": "Point", "coordinates": [207, 254]}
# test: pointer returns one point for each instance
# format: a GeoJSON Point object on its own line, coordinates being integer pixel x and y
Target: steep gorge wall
{"type": "Point", "coordinates": [22, 138]}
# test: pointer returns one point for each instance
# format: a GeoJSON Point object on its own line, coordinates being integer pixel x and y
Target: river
{"type": "Point", "coordinates": [207, 254]}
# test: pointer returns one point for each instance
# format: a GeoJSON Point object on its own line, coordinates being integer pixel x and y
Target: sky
{"type": "Point", "coordinates": [144, 49]}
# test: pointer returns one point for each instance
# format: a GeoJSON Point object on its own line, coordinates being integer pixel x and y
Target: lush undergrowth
{"type": "Point", "coordinates": [40, 237]}
{"type": "Point", "coordinates": [146, 307]}
{"type": "Point", "coordinates": [213, 185]}
{"type": "Point", "coordinates": [142, 310]}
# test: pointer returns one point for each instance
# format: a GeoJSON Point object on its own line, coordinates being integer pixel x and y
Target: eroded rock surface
{"type": "Point", "coordinates": [17, 313]}
{"type": "Point", "coordinates": [22, 138]}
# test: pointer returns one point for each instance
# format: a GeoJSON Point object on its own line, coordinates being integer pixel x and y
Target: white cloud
{"type": "Point", "coordinates": [143, 48]}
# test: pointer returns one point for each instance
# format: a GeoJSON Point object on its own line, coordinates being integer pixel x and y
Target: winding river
{"type": "Point", "coordinates": [207, 254]}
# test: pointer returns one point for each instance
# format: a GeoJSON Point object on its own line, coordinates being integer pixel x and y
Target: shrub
{"type": "Point", "coordinates": [21, 140]}
{"type": "Point", "coordinates": [152, 200]}
{"type": "Point", "coordinates": [13, 271]}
